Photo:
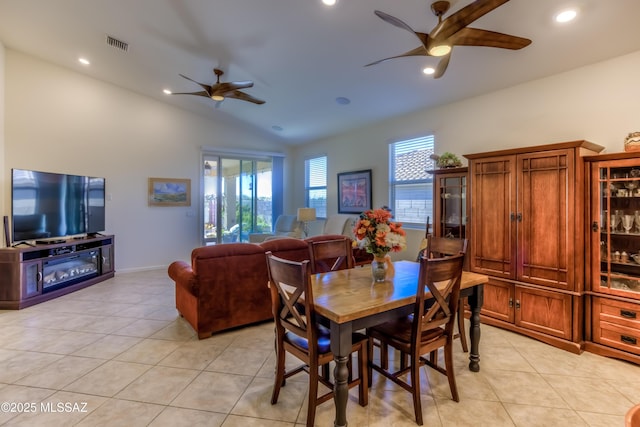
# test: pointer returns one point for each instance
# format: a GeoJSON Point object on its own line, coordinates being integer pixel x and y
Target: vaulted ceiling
{"type": "Point", "coordinates": [305, 57]}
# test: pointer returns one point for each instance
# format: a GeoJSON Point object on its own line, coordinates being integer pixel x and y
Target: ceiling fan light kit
{"type": "Point", "coordinates": [453, 31]}
{"type": "Point", "coordinates": [440, 50]}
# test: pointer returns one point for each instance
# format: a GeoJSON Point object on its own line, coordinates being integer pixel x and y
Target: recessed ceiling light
{"type": "Point", "coordinates": [429, 70]}
{"type": "Point", "coordinates": [166, 91]}
{"type": "Point", "coordinates": [343, 101]}
{"type": "Point", "coordinates": [566, 15]}
{"type": "Point", "coordinates": [84, 61]}
{"type": "Point", "coordinates": [330, 2]}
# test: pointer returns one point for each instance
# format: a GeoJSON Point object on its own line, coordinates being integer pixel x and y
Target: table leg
{"type": "Point", "coordinates": [341, 349]}
{"type": "Point", "coordinates": [476, 300]}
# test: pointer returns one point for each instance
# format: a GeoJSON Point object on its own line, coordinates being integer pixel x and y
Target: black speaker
{"type": "Point", "coordinates": [5, 220]}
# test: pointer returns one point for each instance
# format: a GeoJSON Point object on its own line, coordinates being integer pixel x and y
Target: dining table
{"type": "Point", "coordinates": [349, 300]}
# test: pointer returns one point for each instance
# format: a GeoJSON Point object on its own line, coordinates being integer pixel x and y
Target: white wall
{"type": "Point", "coordinates": [598, 103]}
{"type": "Point", "coordinates": [58, 120]}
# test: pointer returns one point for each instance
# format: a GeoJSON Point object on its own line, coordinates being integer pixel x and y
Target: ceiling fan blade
{"type": "Point", "coordinates": [465, 16]}
{"type": "Point", "coordinates": [207, 88]}
{"type": "Point", "coordinates": [477, 37]}
{"type": "Point", "coordinates": [244, 97]}
{"type": "Point", "coordinates": [442, 66]}
{"type": "Point", "coordinates": [401, 24]}
{"type": "Point", "coordinates": [223, 88]}
{"type": "Point", "coordinates": [419, 51]}
{"type": "Point", "coordinates": [201, 93]}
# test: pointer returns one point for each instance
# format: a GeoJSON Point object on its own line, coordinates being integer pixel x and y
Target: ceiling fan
{"type": "Point", "coordinates": [220, 91]}
{"type": "Point", "coordinates": [454, 31]}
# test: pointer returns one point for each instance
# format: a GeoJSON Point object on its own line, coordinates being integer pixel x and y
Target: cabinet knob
{"type": "Point", "coordinates": [628, 340]}
{"type": "Point", "coordinates": [517, 304]}
{"type": "Point", "coordinates": [510, 302]}
{"type": "Point", "coordinates": [594, 226]}
{"type": "Point", "coordinates": [628, 314]}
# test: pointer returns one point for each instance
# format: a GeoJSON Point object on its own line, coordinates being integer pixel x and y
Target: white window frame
{"type": "Point", "coordinates": [314, 182]}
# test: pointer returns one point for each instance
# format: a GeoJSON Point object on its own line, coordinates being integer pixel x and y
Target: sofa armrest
{"type": "Point", "coordinates": [182, 274]}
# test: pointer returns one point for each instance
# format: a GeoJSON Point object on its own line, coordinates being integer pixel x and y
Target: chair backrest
{"type": "Point", "coordinates": [444, 246]}
{"type": "Point", "coordinates": [290, 286]}
{"type": "Point", "coordinates": [441, 277]}
{"type": "Point", "coordinates": [331, 255]}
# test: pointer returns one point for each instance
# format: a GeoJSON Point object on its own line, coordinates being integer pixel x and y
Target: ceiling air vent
{"type": "Point", "coordinates": [118, 44]}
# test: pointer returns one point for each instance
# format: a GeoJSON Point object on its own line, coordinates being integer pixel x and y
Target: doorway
{"type": "Point", "coordinates": [237, 195]}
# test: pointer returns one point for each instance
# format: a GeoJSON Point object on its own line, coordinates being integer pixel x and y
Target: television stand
{"type": "Point", "coordinates": [34, 274]}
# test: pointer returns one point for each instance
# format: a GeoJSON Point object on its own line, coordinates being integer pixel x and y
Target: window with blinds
{"type": "Point", "coordinates": [410, 186]}
{"type": "Point", "coordinates": [315, 184]}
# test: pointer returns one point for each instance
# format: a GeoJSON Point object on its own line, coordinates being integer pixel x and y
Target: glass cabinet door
{"type": "Point", "coordinates": [452, 215]}
{"type": "Point", "coordinates": [617, 201]}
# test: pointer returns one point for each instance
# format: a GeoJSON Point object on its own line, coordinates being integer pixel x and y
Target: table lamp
{"type": "Point", "coordinates": [305, 215]}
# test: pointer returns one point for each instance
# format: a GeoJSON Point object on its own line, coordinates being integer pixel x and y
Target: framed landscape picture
{"type": "Point", "coordinates": [354, 191]}
{"type": "Point", "coordinates": [169, 192]}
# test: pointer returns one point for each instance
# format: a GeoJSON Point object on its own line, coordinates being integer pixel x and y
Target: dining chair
{"type": "Point", "coordinates": [330, 255]}
{"type": "Point", "coordinates": [425, 331]}
{"type": "Point", "coordinates": [437, 247]}
{"type": "Point", "coordinates": [303, 337]}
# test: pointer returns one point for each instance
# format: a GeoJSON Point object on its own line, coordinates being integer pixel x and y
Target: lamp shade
{"type": "Point", "coordinates": [306, 214]}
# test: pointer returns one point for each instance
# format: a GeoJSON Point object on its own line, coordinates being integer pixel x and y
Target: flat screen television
{"type": "Point", "coordinates": [46, 205]}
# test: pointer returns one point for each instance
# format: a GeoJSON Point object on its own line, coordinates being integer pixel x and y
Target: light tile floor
{"type": "Point", "coordinates": [117, 354]}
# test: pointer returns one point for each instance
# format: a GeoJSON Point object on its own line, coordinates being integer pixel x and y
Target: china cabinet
{"type": "Point", "coordinates": [613, 295]}
{"type": "Point", "coordinates": [526, 233]}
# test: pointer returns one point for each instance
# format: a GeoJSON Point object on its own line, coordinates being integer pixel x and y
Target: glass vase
{"type": "Point", "coordinates": [379, 268]}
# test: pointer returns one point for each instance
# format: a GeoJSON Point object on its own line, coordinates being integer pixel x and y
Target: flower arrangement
{"type": "Point", "coordinates": [377, 234]}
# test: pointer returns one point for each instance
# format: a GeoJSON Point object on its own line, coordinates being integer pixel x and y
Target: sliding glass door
{"type": "Point", "coordinates": [237, 198]}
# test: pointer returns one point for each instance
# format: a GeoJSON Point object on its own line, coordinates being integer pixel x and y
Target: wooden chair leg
{"type": "Point", "coordinates": [279, 378]}
{"type": "Point", "coordinates": [461, 328]}
{"type": "Point", "coordinates": [448, 362]}
{"type": "Point", "coordinates": [415, 389]}
{"type": "Point", "coordinates": [313, 395]}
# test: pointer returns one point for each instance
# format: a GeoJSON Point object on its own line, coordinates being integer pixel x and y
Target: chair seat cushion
{"type": "Point", "coordinates": [400, 331]}
{"type": "Point", "coordinates": [324, 340]}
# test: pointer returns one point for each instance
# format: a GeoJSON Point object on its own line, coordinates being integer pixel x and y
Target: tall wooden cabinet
{"type": "Point", "coordinates": [613, 288]}
{"type": "Point", "coordinates": [450, 202]}
{"type": "Point", "coordinates": [526, 233]}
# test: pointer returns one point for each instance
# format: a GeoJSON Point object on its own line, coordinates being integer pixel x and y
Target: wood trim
{"type": "Point", "coordinates": [521, 150]}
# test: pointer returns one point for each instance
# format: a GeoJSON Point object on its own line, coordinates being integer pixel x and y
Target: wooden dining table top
{"type": "Point", "coordinates": [346, 295]}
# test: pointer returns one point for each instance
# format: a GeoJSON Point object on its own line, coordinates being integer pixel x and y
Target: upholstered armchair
{"type": "Point", "coordinates": [286, 226]}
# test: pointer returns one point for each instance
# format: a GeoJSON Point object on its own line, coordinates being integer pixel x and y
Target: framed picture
{"type": "Point", "coordinates": [354, 191]}
{"type": "Point", "coordinates": [169, 192]}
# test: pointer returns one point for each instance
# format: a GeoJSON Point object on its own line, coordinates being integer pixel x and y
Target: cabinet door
{"type": "Point", "coordinates": [31, 279]}
{"type": "Point", "coordinates": [450, 210]}
{"type": "Point", "coordinates": [545, 218]}
{"type": "Point", "coordinates": [615, 228]}
{"type": "Point", "coordinates": [493, 205]}
{"type": "Point", "coordinates": [498, 300]}
{"type": "Point", "coordinates": [544, 311]}
{"type": "Point", "coordinates": [107, 259]}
